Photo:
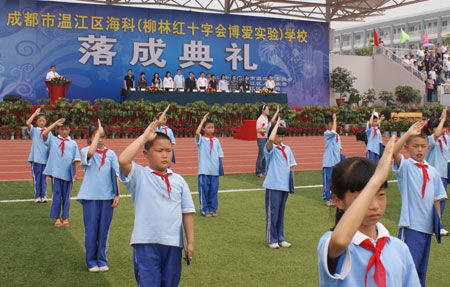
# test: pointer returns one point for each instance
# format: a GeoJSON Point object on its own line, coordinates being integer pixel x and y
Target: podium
{"type": "Point", "coordinates": [56, 91]}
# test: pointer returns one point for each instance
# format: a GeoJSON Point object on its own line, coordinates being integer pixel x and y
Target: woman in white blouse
{"type": "Point", "coordinates": [223, 83]}
{"type": "Point", "coordinates": [168, 82]}
{"type": "Point", "coordinates": [270, 84]}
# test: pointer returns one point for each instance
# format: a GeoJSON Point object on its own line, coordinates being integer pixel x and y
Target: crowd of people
{"type": "Point", "coordinates": [433, 63]}
{"type": "Point", "coordinates": [357, 249]}
{"type": "Point", "coordinates": [202, 83]}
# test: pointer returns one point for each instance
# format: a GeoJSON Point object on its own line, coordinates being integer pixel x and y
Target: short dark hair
{"type": "Point", "coordinates": [142, 73]}
{"type": "Point", "coordinates": [280, 132]}
{"type": "Point", "coordinates": [159, 136]}
{"type": "Point", "coordinates": [422, 135]}
{"type": "Point", "coordinates": [66, 123]}
{"type": "Point", "coordinates": [93, 127]}
{"type": "Point", "coordinates": [208, 121]}
{"type": "Point", "coordinates": [328, 119]}
{"type": "Point", "coordinates": [52, 66]}
{"type": "Point", "coordinates": [39, 116]}
{"type": "Point", "coordinates": [130, 70]}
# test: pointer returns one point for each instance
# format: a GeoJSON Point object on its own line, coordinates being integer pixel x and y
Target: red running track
{"type": "Point", "coordinates": [239, 155]}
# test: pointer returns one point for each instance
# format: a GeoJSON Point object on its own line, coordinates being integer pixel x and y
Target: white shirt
{"type": "Point", "coordinates": [420, 53]}
{"type": "Point", "coordinates": [51, 75]}
{"type": "Point", "coordinates": [202, 82]}
{"type": "Point", "coordinates": [168, 83]}
{"type": "Point", "coordinates": [270, 84]}
{"type": "Point", "coordinates": [223, 85]}
{"type": "Point", "coordinates": [433, 74]}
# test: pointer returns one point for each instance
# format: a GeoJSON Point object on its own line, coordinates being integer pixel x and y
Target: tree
{"type": "Point", "coordinates": [406, 95]}
{"type": "Point", "coordinates": [386, 96]}
{"type": "Point", "coordinates": [341, 80]}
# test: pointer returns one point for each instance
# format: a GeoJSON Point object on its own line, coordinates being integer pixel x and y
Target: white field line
{"type": "Point", "coordinates": [195, 192]}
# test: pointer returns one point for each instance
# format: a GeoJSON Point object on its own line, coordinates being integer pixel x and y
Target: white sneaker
{"type": "Point", "coordinates": [37, 200]}
{"type": "Point", "coordinates": [285, 244]}
{"type": "Point", "coordinates": [274, 245]}
{"type": "Point", "coordinates": [103, 268]}
{"type": "Point", "coordinates": [94, 269]}
{"type": "Point", "coordinates": [44, 199]}
{"type": "Point", "coordinates": [444, 232]}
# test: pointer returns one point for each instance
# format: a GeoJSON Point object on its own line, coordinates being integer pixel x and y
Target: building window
{"type": "Point", "coordinates": [444, 23]}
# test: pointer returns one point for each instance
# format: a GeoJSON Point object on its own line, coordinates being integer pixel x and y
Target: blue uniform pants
{"type": "Point", "coordinates": [275, 205]}
{"type": "Point", "coordinates": [444, 200]}
{"type": "Point", "coordinates": [61, 198]}
{"type": "Point", "coordinates": [326, 176]}
{"type": "Point", "coordinates": [173, 156]}
{"type": "Point", "coordinates": [39, 179]}
{"type": "Point", "coordinates": [208, 188]}
{"type": "Point", "coordinates": [373, 156]}
{"type": "Point", "coordinates": [157, 265]}
{"type": "Point", "coordinates": [261, 161]}
{"type": "Point", "coordinates": [419, 245]}
{"type": "Point", "coordinates": [97, 215]}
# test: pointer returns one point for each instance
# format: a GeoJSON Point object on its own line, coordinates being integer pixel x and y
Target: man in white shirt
{"type": "Point", "coordinates": [420, 53]}
{"type": "Point", "coordinates": [270, 83]}
{"type": "Point", "coordinates": [179, 80]}
{"type": "Point", "coordinates": [52, 73]}
{"type": "Point", "coordinates": [202, 82]}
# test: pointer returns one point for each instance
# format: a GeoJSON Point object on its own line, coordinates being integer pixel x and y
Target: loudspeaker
{"type": "Point", "coordinates": [12, 98]}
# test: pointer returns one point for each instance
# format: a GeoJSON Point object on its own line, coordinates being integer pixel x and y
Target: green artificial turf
{"type": "Point", "coordinates": [230, 250]}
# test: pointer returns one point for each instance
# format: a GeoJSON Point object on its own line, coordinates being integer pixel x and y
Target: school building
{"type": "Point", "coordinates": [436, 23]}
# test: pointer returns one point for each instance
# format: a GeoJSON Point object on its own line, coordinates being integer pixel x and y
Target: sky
{"type": "Point", "coordinates": [404, 11]}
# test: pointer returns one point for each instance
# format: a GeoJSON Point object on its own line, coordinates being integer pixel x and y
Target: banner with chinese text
{"type": "Point", "coordinates": [94, 45]}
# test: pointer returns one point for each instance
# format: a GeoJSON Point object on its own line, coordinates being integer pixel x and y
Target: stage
{"type": "Point", "coordinates": [184, 98]}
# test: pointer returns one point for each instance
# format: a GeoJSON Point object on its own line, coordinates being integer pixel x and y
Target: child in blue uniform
{"type": "Point", "coordinates": [359, 250]}
{"type": "Point", "coordinates": [162, 204]}
{"type": "Point", "coordinates": [99, 194]}
{"type": "Point", "coordinates": [438, 154]}
{"type": "Point", "coordinates": [420, 188]}
{"type": "Point", "coordinates": [210, 154]}
{"type": "Point", "coordinates": [278, 183]}
{"type": "Point", "coordinates": [331, 156]}
{"type": "Point", "coordinates": [38, 155]}
{"type": "Point", "coordinates": [374, 138]}
{"type": "Point", "coordinates": [163, 128]}
{"type": "Point", "coordinates": [61, 167]}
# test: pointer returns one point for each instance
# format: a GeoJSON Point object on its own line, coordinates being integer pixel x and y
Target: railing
{"type": "Point", "coordinates": [444, 94]}
{"type": "Point", "coordinates": [393, 57]}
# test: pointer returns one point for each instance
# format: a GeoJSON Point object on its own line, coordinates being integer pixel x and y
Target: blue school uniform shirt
{"type": "Point", "coordinates": [168, 131]}
{"type": "Point", "coordinates": [208, 164]}
{"type": "Point", "coordinates": [278, 169]}
{"type": "Point", "coordinates": [448, 145]}
{"type": "Point", "coordinates": [157, 219]}
{"type": "Point", "coordinates": [98, 180]}
{"type": "Point", "coordinates": [417, 212]}
{"type": "Point", "coordinates": [373, 143]}
{"type": "Point", "coordinates": [39, 150]}
{"type": "Point", "coordinates": [61, 166]}
{"type": "Point", "coordinates": [436, 157]}
{"type": "Point", "coordinates": [332, 154]}
{"type": "Point", "coordinates": [352, 264]}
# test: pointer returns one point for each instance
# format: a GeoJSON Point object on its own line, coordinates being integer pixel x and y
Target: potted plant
{"type": "Point", "coordinates": [368, 97]}
{"type": "Point", "coordinates": [387, 97]}
{"type": "Point", "coordinates": [341, 80]}
{"type": "Point", "coordinates": [354, 97]}
{"type": "Point", "coordinates": [407, 95]}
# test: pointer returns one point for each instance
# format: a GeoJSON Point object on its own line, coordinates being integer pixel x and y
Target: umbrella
{"type": "Point", "coordinates": [429, 46]}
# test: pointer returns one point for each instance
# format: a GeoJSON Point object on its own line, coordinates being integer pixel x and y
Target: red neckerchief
{"type": "Point", "coordinates": [62, 144]}
{"type": "Point", "coordinates": [165, 177]}
{"type": "Point", "coordinates": [425, 177]}
{"type": "Point", "coordinates": [165, 130]}
{"type": "Point", "coordinates": [284, 153]}
{"type": "Point", "coordinates": [211, 143]}
{"type": "Point", "coordinates": [103, 153]}
{"type": "Point", "coordinates": [440, 143]}
{"type": "Point", "coordinates": [375, 132]}
{"type": "Point", "coordinates": [40, 134]}
{"type": "Point", "coordinates": [337, 138]}
{"type": "Point", "coordinates": [380, 273]}
{"type": "Point", "coordinates": [445, 140]}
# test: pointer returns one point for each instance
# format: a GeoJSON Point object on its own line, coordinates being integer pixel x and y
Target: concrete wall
{"type": "Point", "coordinates": [360, 67]}
{"type": "Point", "coordinates": [377, 72]}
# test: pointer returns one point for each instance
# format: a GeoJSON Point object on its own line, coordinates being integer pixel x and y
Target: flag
{"type": "Point", "coordinates": [425, 39]}
{"type": "Point", "coordinates": [376, 41]}
{"type": "Point", "coordinates": [403, 36]}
